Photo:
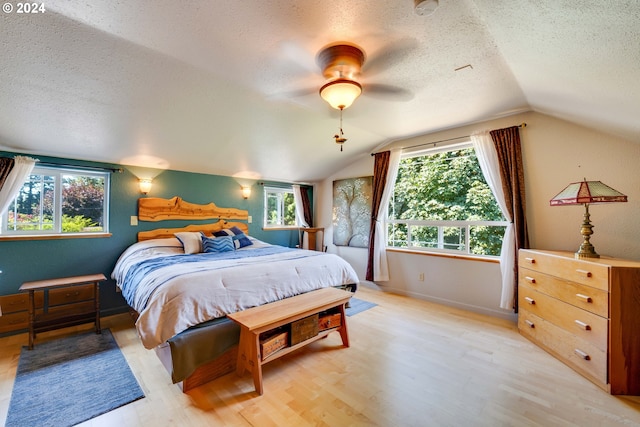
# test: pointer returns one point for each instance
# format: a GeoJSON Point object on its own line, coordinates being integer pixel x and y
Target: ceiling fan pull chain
{"type": "Point", "coordinates": [340, 139]}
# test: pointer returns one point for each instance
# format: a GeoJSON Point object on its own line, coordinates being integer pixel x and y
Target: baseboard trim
{"type": "Point", "coordinates": [456, 304]}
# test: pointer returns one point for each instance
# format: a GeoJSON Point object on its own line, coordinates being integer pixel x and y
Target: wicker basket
{"type": "Point", "coordinates": [303, 329]}
{"type": "Point", "coordinates": [329, 321]}
{"type": "Point", "coordinates": [272, 341]}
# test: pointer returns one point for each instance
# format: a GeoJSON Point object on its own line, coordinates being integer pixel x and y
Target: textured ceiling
{"type": "Point", "coordinates": [230, 87]}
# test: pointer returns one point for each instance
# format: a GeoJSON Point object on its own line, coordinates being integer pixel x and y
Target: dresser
{"type": "Point", "coordinates": [585, 312]}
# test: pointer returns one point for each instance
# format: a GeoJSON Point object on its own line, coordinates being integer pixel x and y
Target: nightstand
{"type": "Point", "coordinates": [68, 301]}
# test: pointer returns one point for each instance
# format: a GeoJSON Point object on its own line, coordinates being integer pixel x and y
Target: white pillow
{"type": "Point", "coordinates": [191, 241]}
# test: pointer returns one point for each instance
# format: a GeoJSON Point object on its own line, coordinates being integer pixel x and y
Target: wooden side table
{"type": "Point", "coordinates": [62, 309]}
{"type": "Point", "coordinates": [312, 237]}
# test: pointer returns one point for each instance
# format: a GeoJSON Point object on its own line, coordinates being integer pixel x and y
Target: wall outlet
{"type": "Point", "coordinates": [249, 219]}
{"type": "Point", "coordinates": [421, 277]}
{"type": "Point", "coordinates": [134, 220]}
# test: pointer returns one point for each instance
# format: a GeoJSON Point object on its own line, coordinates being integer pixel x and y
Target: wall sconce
{"type": "Point", "coordinates": [145, 185]}
{"type": "Point", "coordinates": [246, 191]}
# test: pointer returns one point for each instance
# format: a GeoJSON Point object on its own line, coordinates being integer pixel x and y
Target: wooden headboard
{"type": "Point", "coordinates": [158, 209]}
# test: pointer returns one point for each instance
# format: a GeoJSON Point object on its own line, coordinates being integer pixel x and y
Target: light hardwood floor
{"type": "Point", "coordinates": [411, 363]}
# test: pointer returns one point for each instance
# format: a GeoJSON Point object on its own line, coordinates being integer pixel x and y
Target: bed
{"type": "Point", "coordinates": [182, 282]}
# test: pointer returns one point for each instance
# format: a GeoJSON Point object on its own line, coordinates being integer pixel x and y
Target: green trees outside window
{"type": "Point", "coordinates": [280, 207]}
{"type": "Point", "coordinates": [59, 201]}
{"type": "Point", "coordinates": [441, 201]}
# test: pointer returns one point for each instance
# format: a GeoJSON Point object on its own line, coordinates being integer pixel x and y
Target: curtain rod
{"type": "Point", "coordinates": [66, 165]}
{"type": "Point", "coordinates": [521, 125]}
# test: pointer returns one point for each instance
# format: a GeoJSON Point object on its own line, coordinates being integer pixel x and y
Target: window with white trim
{"type": "Point", "coordinates": [59, 201]}
{"type": "Point", "coordinates": [279, 208]}
{"type": "Point", "coordinates": [441, 202]}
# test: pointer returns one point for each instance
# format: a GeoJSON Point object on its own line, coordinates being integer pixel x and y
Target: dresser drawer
{"type": "Point", "coordinates": [586, 297]}
{"type": "Point", "coordinates": [14, 321]}
{"type": "Point", "coordinates": [574, 270]}
{"type": "Point", "coordinates": [19, 302]}
{"type": "Point", "coordinates": [579, 354]}
{"type": "Point", "coordinates": [585, 325]}
{"type": "Point", "coordinates": [71, 294]}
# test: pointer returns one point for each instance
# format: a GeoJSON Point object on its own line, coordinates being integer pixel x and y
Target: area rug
{"type": "Point", "coordinates": [66, 381]}
{"type": "Point", "coordinates": [358, 306]}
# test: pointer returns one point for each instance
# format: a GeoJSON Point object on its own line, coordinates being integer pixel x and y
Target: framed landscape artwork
{"type": "Point", "coordinates": [352, 211]}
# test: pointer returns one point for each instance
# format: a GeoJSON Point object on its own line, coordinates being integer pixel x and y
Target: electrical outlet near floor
{"type": "Point", "coordinates": [421, 277]}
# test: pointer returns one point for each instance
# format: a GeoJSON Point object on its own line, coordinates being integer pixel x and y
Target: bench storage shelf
{"type": "Point", "coordinates": [287, 316]}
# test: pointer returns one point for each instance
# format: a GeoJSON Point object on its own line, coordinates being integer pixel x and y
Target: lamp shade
{"type": "Point", "coordinates": [586, 193]}
{"type": "Point", "coordinates": [145, 185]}
{"type": "Point", "coordinates": [578, 193]}
{"type": "Point", "coordinates": [246, 191]}
{"type": "Point", "coordinates": [341, 93]}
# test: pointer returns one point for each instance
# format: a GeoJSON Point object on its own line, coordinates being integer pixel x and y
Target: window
{"type": "Point", "coordinates": [59, 201]}
{"type": "Point", "coordinates": [441, 202]}
{"type": "Point", "coordinates": [279, 208]}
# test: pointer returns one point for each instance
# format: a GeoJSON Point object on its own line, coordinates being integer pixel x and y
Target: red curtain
{"type": "Point", "coordinates": [306, 205]}
{"type": "Point", "coordinates": [6, 164]}
{"type": "Point", "coordinates": [380, 169]}
{"type": "Point", "coordinates": [508, 148]}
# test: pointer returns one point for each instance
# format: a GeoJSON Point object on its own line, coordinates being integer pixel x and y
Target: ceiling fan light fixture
{"type": "Point", "coordinates": [341, 93]}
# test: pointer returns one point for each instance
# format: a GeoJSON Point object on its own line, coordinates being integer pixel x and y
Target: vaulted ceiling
{"type": "Point", "coordinates": [230, 87]}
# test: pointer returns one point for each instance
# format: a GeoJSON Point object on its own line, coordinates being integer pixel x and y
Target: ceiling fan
{"type": "Point", "coordinates": [341, 64]}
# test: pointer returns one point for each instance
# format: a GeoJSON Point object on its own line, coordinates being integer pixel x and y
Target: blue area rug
{"type": "Point", "coordinates": [66, 381]}
{"type": "Point", "coordinates": [358, 306]}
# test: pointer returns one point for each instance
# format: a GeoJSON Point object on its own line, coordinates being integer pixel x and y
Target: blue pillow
{"type": "Point", "coordinates": [217, 244]}
{"type": "Point", "coordinates": [240, 240]}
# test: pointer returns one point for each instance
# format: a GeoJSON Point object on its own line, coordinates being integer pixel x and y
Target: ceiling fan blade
{"type": "Point", "coordinates": [294, 54]}
{"type": "Point", "coordinates": [388, 56]}
{"type": "Point", "coordinates": [294, 93]}
{"type": "Point", "coordinates": [387, 92]}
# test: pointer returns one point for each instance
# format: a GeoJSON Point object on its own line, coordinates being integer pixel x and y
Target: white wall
{"type": "Point", "coordinates": [555, 153]}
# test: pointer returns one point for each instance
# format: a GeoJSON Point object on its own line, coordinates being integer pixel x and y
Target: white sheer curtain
{"type": "Point", "coordinates": [21, 169]}
{"type": "Point", "coordinates": [380, 265]}
{"type": "Point", "coordinates": [297, 198]}
{"type": "Point", "coordinates": [488, 159]}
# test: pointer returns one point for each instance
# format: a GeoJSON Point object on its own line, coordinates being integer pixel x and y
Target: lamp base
{"type": "Point", "coordinates": [586, 253]}
{"type": "Point", "coordinates": [586, 248]}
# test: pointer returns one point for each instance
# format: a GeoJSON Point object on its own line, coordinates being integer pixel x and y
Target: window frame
{"type": "Point", "coordinates": [439, 224]}
{"type": "Point", "coordinates": [281, 191]}
{"type": "Point", "coordinates": [56, 231]}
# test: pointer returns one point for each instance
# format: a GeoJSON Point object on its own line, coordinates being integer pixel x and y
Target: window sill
{"type": "Point", "coordinates": [54, 236]}
{"type": "Point", "coordinates": [445, 255]}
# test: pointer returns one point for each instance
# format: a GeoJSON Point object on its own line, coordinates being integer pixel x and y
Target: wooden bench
{"type": "Point", "coordinates": [66, 311]}
{"type": "Point", "coordinates": [283, 313]}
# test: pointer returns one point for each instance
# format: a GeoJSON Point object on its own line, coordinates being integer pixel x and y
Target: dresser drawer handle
{"type": "Point", "coordinates": [583, 325]}
{"type": "Point", "coordinates": [582, 354]}
{"type": "Point", "coordinates": [530, 260]}
{"type": "Point", "coordinates": [585, 272]}
{"type": "Point", "coordinates": [530, 323]}
{"type": "Point", "coordinates": [584, 297]}
{"type": "Point", "coordinates": [72, 294]}
{"type": "Point", "coordinates": [530, 300]}
{"type": "Point", "coordinates": [530, 279]}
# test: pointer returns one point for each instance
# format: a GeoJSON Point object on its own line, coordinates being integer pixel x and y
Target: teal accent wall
{"type": "Point", "coordinates": [28, 260]}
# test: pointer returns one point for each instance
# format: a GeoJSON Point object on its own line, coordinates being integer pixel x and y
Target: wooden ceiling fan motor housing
{"type": "Point", "coordinates": [341, 61]}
